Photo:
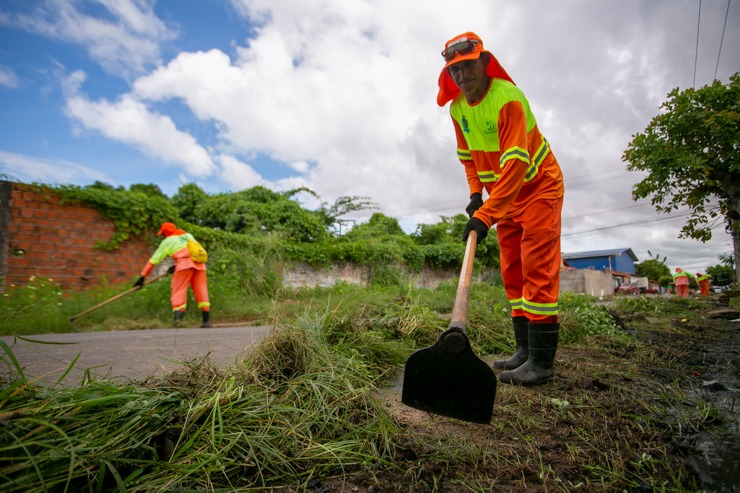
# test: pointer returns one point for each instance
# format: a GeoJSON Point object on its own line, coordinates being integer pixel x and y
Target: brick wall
{"type": "Point", "coordinates": [41, 237]}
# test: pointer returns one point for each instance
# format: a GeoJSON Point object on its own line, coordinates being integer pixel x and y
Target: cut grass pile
{"type": "Point", "coordinates": [296, 409]}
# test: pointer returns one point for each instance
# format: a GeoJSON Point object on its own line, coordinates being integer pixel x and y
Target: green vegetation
{"type": "Point", "coordinates": [260, 223]}
{"type": "Point", "coordinates": [689, 152]}
{"type": "Point", "coordinates": [723, 274]}
{"type": "Point", "coordinates": [654, 268]}
{"type": "Point", "coordinates": [313, 404]}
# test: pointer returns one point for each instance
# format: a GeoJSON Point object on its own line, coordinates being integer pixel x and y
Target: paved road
{"type": "Point", "coordinates": [127, 355]}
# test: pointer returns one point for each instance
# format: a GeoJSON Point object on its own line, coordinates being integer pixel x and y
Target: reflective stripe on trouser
{"type": "Point", "coordinates": [530, 260]}
{"type": "Point", "coordinates": [179, 289]}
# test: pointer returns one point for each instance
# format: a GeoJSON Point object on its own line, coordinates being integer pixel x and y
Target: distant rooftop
{"type": "Point", "coordinates": [600, 253]}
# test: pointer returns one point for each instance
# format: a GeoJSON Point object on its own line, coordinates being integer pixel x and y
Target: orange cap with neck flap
{"type": "Point", "coordinates": [466, 46]}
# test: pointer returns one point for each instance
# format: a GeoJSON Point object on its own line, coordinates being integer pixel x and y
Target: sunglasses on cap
{"type": "Point", "coordinates": [462, 48]}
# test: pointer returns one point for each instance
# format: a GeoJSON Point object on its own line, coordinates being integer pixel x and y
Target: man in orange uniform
{"type": "Point", "coordinates": [703, 281]}
{"type": "Point", "coordinates": [681, 280]}
{"type": "Point", "coordinates": [503, 152]}
{"type": "Point", "coordinates": [187, 273]}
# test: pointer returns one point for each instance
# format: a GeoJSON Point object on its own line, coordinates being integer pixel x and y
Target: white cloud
{"type": "Point", "coordinates": [240, 174]}
{"type": "Point", "coordinates": [128, 120]}
{"type": "Point", "coordinates": [51, 171]}
{"type": "Point", "coordinates": [301, 167]}
{"type": "Point", "coordinates": [8, 78]}
{"type": "Point", "coordinates": [124, 41]}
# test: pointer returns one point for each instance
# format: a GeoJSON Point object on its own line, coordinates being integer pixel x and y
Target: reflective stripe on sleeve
{"type": "Point", "coordinates": [539, 156]}
{"type": "Point", "coordinates": [514, 153]}
{"type": "Point", "coordinates": [487, 176]}
{"type": "Point", "coordinates": [464, 155]}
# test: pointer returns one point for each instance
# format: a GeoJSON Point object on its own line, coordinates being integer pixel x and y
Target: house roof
{"type": "Point", "coordinates": [600, 253]}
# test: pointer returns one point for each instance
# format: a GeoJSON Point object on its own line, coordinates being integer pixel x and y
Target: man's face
{"type": "Point", "coordinates": [470, 77]}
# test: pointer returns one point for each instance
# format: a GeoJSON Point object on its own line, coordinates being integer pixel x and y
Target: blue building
{"type": "Point", "coordinates": [620, 260]}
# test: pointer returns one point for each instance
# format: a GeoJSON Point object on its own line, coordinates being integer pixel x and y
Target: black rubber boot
{"type": "Point", "coordinates": [206, 318]}
{"type": "Point", "coordinates": [179, 316]}
{"type": "Point", "coordinates": [521, 329]}
{"type": "Point", "coordinates": [543, 343]}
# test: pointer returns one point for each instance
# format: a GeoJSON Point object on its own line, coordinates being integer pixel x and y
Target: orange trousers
{"type": "Point", "coordinates": [530, 260]}
{"type": "Point", "coordinates": [704, 288]}
{"type": "Point", "coordinates": [179, 289]}
{"type": "Point", "coordinates": [682, 290]}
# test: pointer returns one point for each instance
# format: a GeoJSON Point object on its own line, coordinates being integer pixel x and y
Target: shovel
{"type": "Point", "coordinates": [111, 300]}
{"type": "Point", "coordinates": [447, 378]}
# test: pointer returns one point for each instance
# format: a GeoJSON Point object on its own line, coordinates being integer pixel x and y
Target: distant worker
{"type": "Point", "coordinates": [504, 154]}
{"type": "Point", "coordinates": [681, 279]}
{"type": "Point", "coordinates": [187, 272]}
{"type": "Point", "coordinates": [703, 281]}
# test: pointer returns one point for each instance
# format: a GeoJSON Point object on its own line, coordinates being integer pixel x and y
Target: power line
{"type": "Point", "coordinates": [591, 214]}
{"type": "Point", "coordinates": [459, 205]}
{"type": "Point", "coordinates": [575, 183]}
{"type": "Point", "coordinates": [599, 173]}
{"type": "Point", "coordinates": [667, 217]}
{"type": "Point", "coordinates": [722, 39]}
{"type": "Point", "coordinates": [696, 52]}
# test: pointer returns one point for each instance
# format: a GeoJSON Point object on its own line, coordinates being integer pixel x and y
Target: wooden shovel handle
{"type": "Point", "coordinates": [111, 300]}
{"type": "Point", "coordinates": [460, 310]}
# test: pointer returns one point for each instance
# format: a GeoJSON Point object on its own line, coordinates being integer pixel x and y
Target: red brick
{"type": "Point", "coordinates": [60, 242]}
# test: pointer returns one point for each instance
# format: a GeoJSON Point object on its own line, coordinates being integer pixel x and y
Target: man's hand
{"type": "Point", "coordinates": [139, 282]}
{"type": "Point", "coordinates": [476, 201]}
{"type": "Point", "coordinates": [476, 225]}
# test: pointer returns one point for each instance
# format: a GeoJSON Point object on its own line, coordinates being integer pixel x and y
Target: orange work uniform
{"type": "Point", "coordinates": [703, 281]}
{"type": "Point", "coordinates": [681, 280]}
{"type": "Point", "coordinates": [503, 152]}
{"type": "Point", "coordinates": [187, 272]}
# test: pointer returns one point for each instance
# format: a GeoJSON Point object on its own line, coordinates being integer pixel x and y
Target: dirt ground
{"type": "Point", "coordinates": [601, 417]}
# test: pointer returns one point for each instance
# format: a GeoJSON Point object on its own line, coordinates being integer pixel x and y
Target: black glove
{"type": "Point", "coordinates": [139, 282]}
{"type": "Point", "coordinates": [476, 201]}
{"type": "Point", "coordinates": [171, 270]}
{"type": "Point", "coordinates": [476, 225]}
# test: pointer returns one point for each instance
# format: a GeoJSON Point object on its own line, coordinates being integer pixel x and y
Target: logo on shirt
{"type": "Point", "coordinates": [490, 127]}
{"type": "Point", "coordinates": [465, 126]}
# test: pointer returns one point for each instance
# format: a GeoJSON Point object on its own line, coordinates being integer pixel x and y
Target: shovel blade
{"type": "Point", "coordinates": [448, 379]}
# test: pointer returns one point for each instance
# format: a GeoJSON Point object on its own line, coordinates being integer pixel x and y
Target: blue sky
{"type": "Point", "coordinates": [340, 97]}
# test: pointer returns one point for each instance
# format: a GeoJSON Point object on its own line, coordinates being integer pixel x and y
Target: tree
{"type": "Point", "coordinates": [187, 200]}
{"type": "Point", "coordinates": [691, 153]}
{"type": "Point", "coordinates": [722, 273]}
{"type": "Point", "coordinates": [379, 226]}
{"type": "Point", "coordinates": [147, 189]}
{"type": "Point", "coordinates": [652, 269]}
{"type": "Point", "coordinates": [449, 229]}
{"type": "Point", "coordinates": [258, 210]}
{"type": "Point", "coordinates": [444, 246]}
{"type": "Point", "coordinates": [345, 205]}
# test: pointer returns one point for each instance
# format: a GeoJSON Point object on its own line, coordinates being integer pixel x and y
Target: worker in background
{"type": "Point", "coordinates": [187, 272]}
{"type": "Point", "coordinates": [703, 281]}
{"type": "Point", "coordinates": [503, 152]}
{"type": "Point", "coordinates": [681, 280]}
